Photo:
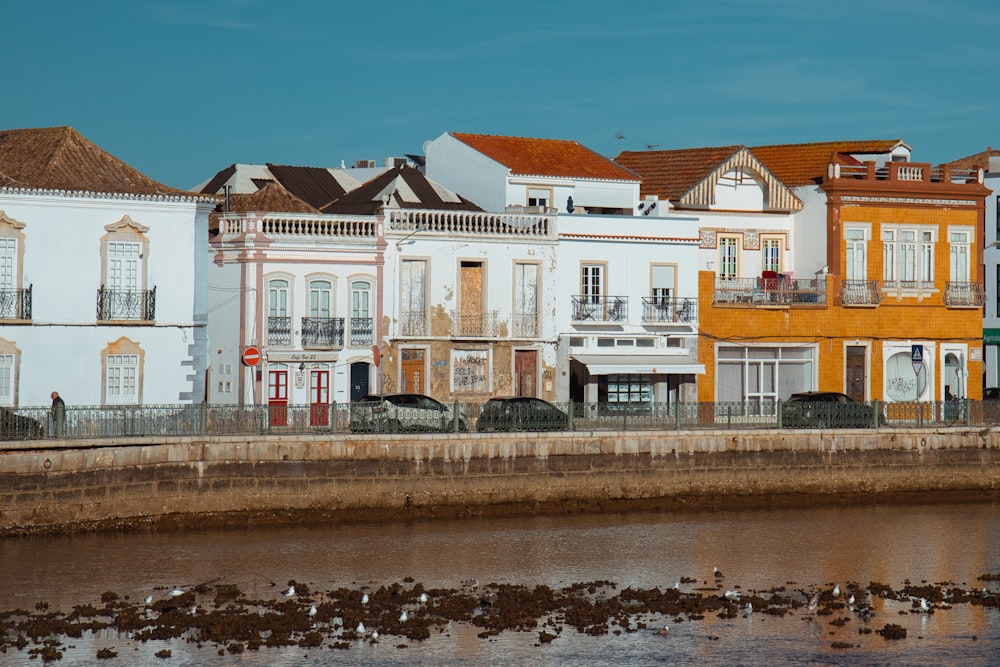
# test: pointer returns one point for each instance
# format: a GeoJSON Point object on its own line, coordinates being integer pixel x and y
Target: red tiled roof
{"type": "Point", "coordinates": [671, 173]}
{"type": "Point", "coordinates": [802, 164]}
{"type": "Point", "coordinates": [976, 161]}
{"type": "Point", "coordinates": [546, 157]}
{"type": "Point", "coordinates": [60, 158]}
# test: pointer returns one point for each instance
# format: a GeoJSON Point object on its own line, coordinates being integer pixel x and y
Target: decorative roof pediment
{"type": "Point", "coordinates": [777, 196]}
{"type": "Point", "coordinates": [126, 221]}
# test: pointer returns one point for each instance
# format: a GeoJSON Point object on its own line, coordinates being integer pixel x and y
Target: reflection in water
{"type": "Point", "coordinates": [756, 550]}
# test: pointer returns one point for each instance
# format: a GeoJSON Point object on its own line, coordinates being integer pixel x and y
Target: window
{"type": "Point", "coordinates": [901, 383]}
{"type": "Point", "coordinates": [627, 391]}
{"type": "Point", "coordinates": [279, 324]}
{"type": "Point", "coordinates": [538, 197]}
{"type": "Point", "coordinates": [760, 376]}
{"type": "Point", "coordinates": [9, 303]}
{"type": "Point", "coordinates": [592, 282]}
{"type": "Point", "coordinates": [122, 287]}
{"type": "Point", "coordinates": [413, 315]}
{"type": "Point", "coordinates": [857, 253]}
{"type": "Point", "coordinates": [770, 249]}
{"type": "Point", "coordinates": [525, 300]}
{"type": "Point", "coordinates": [361, 316]}
{"type": "Point", "coordinates": [958, 271]}
{"type": "Point", "coordinates": [470, 371]}
{"type": "Point", "coordinates": [662, 284]}
{"type": "Point", "coordinates": [908, 258]}
{"type": "Point", "coordinates": [6, 379]}
{"type": "Point", "coordinates": [122, 374]}
{"type": "Point", "coordinates": [319, 299]}
{"type": "Point", "coordinates": [728, 255]}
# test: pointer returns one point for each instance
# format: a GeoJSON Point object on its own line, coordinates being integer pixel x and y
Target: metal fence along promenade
{"type": "Point", "coordinates": [36, 423]}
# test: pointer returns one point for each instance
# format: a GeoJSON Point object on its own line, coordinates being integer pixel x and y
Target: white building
{"type": "Point", "coordinates": [102, 277]}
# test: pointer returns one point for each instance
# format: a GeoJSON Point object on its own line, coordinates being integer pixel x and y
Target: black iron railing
{"type": "Point", "coordinates": [117, 304]}
{"type": "Point", "coordinates": [15, 304]}
{"type": "Point", "coordinates": [279, 331]}
{"type": "Point", "coordinates": [362, 331]}
{"type": "Point", "coordinates": [323, 332]}
{"type": "Point", "coordinates": [590, 308]}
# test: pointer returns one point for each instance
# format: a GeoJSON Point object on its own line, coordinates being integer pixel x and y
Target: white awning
{"type": "Point", "coordinates": [660, 364]}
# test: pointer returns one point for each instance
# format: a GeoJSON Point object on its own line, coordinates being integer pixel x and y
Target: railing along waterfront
{"type": "Point", "coordinates": [155, 421]}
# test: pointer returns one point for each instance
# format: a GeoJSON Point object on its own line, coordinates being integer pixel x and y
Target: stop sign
{"type": "Point", "coordinates": [251, 356]}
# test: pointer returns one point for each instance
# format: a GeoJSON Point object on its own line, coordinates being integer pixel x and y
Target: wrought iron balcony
{"type": "Point", "coordinates": [362, 331]}
{"type": "Point", "coordinates": [114, 304]}
{"type": "Point", "coordinates": [860, 293]}
{"type": "Point", "coordinates": [663, 310]}
{"type": "Point", "coordinates": [525, 325]}
{"type": "Point", "coordinates": [587, 308]}
{"type": "Point", "coordinates": [413, 322]}
{"type": "Point", "coordinates": [770, 291]}
{"type": "Point", "coordinates": [476, 325]}
{"type": "Point", "coordinates": [964, 295]}
{"type": "Point", "coordinates": [325, 332]}
{"type": "Point", "coordinates": [279, 331]}
{"type": "Point", "coordinates": [15, 304]}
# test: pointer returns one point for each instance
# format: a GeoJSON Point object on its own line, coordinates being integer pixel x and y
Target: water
{"type": "Point", "coordinates": [758, 549]}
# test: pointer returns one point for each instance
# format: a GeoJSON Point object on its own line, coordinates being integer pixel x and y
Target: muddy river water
{"type": "Point", "coordinates": [942, 551]}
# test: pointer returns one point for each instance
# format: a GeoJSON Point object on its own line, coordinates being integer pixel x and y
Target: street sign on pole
{"type": "Point", "coordinates": [917, 358]}
{"type": "Point", "coordinates": [251, 356]}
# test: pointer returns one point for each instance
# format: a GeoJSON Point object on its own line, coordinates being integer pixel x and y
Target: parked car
{"type": "Point", "coordinates": [398, 413]}
{"type": "Point", "coordinates": [521, 413]}
{"type": "Point", "coordinates": [826, 409]}
{"type": "Point", "coordinates": [18, 427]}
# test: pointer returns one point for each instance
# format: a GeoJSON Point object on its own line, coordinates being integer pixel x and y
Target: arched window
{"type": "Point", "coordinates": [361, 316]}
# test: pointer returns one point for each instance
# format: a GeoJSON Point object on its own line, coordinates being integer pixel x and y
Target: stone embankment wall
{"type": "Point", "coordinates": [54, 486]}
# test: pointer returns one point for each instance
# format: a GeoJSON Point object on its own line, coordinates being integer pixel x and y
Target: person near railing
{"type": "Point", "coordinates": [58, 414]}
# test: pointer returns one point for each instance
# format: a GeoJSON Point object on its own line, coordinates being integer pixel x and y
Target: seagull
{"type": "Point", "coordinates": [374, 635]}
{"type": "Point", "coordinates": [403, 617]}
{"type": "Point", "coordinates": [836, 591]}
{"type": "Point", "coordinates": [924, 607]}
{"type": "Point", "coordinates": [361, 628]}
{"type": "Point", "coordinates": [732, 595]}
{"type": "Point", "coordinates": [717, 573]}
{"type": "Point", "coordinates": [677, 586]}
{"type": "Point", "coordinates": [175, 593]}
{"type": "Point", "coordinates": [850, 600]}
{"type": "Point", "coordinates": [749, 608]}
{"type": "Point", "coordinates": [194, 609]}
{"type": "Point", "coordinates": [364, 599]}
{"type": "Point", "coordinates": [813, 602]}
{"type": "Point", "coordinates": [663, 632]}
{"type": "Point", "coordinates": [423, 598]}
{"type": "Point", "coordinates": [312, 611]}
{"type": "Point", "coordinates": [149, 598]}
{"type": "Point", "coordinates": [290, 592]}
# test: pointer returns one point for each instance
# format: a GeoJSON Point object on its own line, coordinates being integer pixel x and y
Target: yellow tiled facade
{"type": "Point", "coordinates": [944, 314]}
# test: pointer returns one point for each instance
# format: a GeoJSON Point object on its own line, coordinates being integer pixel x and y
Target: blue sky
{"type": "Point", "coordinates": [180, 89]}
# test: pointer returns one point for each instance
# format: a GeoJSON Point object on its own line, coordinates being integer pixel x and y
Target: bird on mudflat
{"type": "Point", "coordinates": [924, 606]}
{"type": "Point", "coordinates": [813, 602]}
{"type": "Point", "coordinates": [423, 598]}
{"type": "Point", "coordinates": [732, 595]}
{"type": "Point", "coordinates": [374, 635]}
{"type": "Point", "coordinates": [403, 617]}
{"type": "Point", "coordinates": [836, 591]}
{"type": "Point", "coordinates": [364, 599]}
{"type": "Point", "coordinates": [312, 611]}
{"type": "Point", "coordinates": [749, 608]}
{"type": "Point", "coordinates": [717, 573]}
{"type": "Point", "coordinates": [149, 598]}
{"type": "Point", "coordinates": [289, 592]}
{"type": "Point", "coordinates": [663, 632]}
{"type": "Point", "coordinates": [177, 592]}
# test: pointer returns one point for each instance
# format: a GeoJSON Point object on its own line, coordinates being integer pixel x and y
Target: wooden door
{"type": "Point", "coordinates": [360, 373]}
{"type": "Point", "coordinates": [526, 373]}
{"type": "Point", "coordinates": [411, 371]}
{"type": "Point", "coordinates": [319, 397]}
{"type": "Point", "coordinates": [277, 397]}
{"type": "Point", "coordinates": [854, 380]}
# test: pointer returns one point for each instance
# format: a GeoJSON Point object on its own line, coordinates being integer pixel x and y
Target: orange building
{"type": "Point", "coordinates": [875, 290]}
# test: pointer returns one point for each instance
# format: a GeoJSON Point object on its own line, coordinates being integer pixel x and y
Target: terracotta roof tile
{"type": "Point", "coordinates": [802, 164]}
{"type": "Point", "coordinates": [60, 158]}
{"type": "Point", "coordinates": [671, 173]}
{"type": "Point", "coordinates": [976, 161]}
{"type": "Point", "coordinates": [546, 157]}
{"type": "Point", "coordinates": [272, 198]}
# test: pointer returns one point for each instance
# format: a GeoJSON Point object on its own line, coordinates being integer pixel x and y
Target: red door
{"type": "Point", "coordinates": [525, 375]}
{"type": "Point", "coordinates": [277, 397]}
{"type": "Point", "coordinates": [319, 397]}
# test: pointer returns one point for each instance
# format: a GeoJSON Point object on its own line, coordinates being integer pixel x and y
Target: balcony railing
{"type": "Point", "coordinates": [525, 325]}
{"type": "Point", "coordinates": [475, 325]}
{"type": "Point", "coordinates": [587, 308]}
{"type": "Point", "coordinates": [860, 293]}
{"type": "Point", "coordinates": [964, 295]}
{"type": "Point", "coordinates": [658, 309]}
{"type": "Point", "coordinates": [908, 171]}
{"type": "Point", "coordinates": [325, 332]}
{"type": "Point", "coordinates": [15, 304]}
{"type": "Point", "coordinates": [115, 304]}
{"type": "Point", "coordinates": [279, 331]}
{"type": "Point", "coordinates": [362, 331]}
{"type": "Point", "coordinates": [770, 291]}
{"type": "Point", "coordinates": [413, 322]}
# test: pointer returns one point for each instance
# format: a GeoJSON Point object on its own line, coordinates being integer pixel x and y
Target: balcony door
{"type": "Point", "coordinates": [526, 373]}
{"type": "Point", "coordinates": [277, 396]}
{"type": "Point", "coordinates": [122, 279]}
{"type": "Point", "coordinates": [319, 397]}
{"type": "Point", "coordinates": [471, 299]}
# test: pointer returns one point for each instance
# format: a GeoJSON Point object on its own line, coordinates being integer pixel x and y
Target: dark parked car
{"type": "Point", "coordinates": [521, 413]}
{"type": "Point", "coordinates": [18, 427]}
{"type": "Point", "coordinates": [826, 409]}
{"type": "Point", "coordinates": [398, 413]}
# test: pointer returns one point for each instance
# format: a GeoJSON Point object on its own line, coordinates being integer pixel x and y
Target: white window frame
{"type": "Point", "coordinates": [959, 249]}
{"type": "Point", "coordinates": [908, 257]}
{"type": "Point", "coordinates": [856, 252]}
{"type": "Point", "coordinates": [8, 378]}
{"type": "Point", "coordinates": [729, 257]}
{"type": "Point", "coordinates": [320, 299]}
{"type": "Point", "coordinates": [121, 383]}
{"type": "Point", "coordinates": [771, 248]}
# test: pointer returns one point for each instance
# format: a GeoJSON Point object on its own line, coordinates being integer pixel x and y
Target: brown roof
{"type": "Point", "coordinates": [977, 161]}
{"type": "Point", "coordinates": [802, 164]}
{"type": "Point", "coordinates": [315, 185]}
{"type": "Point", "coordinates": [546, 157]}
{"type": "Point", "coordinates": [369, 199]}
{"type": "Point", "coordinates": [272, 198]}
{"type": "Point", "coordinates": [671, 173]}
{"type": "Point", "coordinates": [60, 158]}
